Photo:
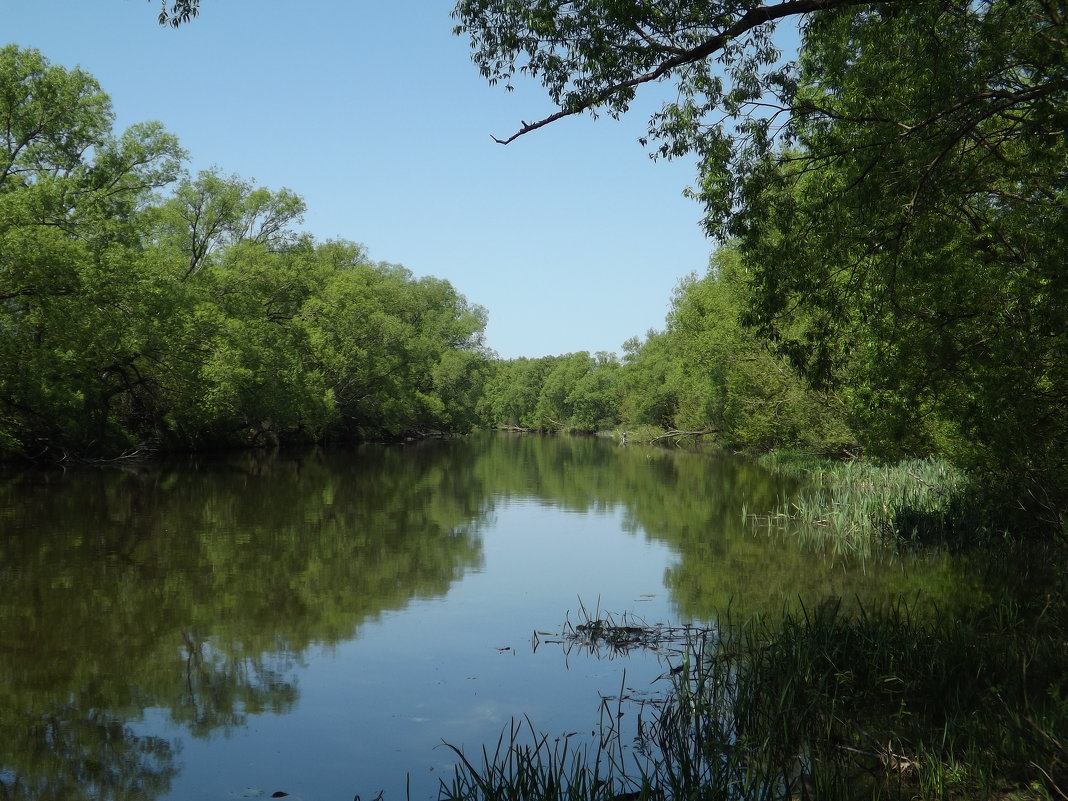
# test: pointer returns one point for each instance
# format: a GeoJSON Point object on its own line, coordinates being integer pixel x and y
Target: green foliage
{"type": "Point", "coordinates": [575, 392]}
{"type": "Point", "coordinates": [591, 56]}
{"type": "Point", "coordinates": [130, 320]}
{"type": "Point", "coordinates": [179, 12]}
{"type": "Point", "coordinates": [510, 396]}
{"type": "Point", "coordinates": [381, 340]}
{"type": "Point", "coordinates": [854, 502]}
{"type": "Point", "coordinates": [650, 380]}
{"type": "Point", "coordinates": [883, 704]}
{"type": "Point", "coordinates": [898, 200]}
{"type": "Point", "coordinates": [728, 378]}
{"type": "Point", "coordinates": [913, 257]}
{"type": "Point", "coordinates": [73, 279]}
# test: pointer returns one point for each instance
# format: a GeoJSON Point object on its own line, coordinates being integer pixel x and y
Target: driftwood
{"type": "Point", "coordinates": [674, 434]}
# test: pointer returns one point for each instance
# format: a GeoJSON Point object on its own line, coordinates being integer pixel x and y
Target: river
{"type": "Point", "coordinates": [320, 622]}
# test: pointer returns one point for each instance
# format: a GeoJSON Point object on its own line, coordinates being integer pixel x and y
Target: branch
{"type": "Point", "coordinates": [753, 18]}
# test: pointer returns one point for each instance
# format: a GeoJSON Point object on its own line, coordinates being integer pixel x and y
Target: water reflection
{"type": "Point", "coordinates": [198, 589]}
{"type": "Point", "coordinates": [195, 587]}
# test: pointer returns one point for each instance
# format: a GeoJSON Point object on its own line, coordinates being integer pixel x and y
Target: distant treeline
{"type": "Point", "coordinates": [709, 373]}
{"type": "Point", "coordinates": [705, 373]}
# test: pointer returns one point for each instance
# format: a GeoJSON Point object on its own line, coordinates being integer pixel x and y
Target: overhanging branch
{"type": "Point", "coordinates": [753, 18]}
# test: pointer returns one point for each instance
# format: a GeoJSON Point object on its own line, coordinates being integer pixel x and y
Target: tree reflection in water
{"type": "Point", "coordinates": [193, 589]}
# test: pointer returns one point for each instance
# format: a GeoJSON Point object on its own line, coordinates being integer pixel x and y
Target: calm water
{"type": "Point", "coordinates": [318, 623]}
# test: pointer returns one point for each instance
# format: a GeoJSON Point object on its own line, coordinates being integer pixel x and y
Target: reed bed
{"type": "Point", "coordinates": [821, 705]}
{"type": "Point", "coordinates": [852, 503]}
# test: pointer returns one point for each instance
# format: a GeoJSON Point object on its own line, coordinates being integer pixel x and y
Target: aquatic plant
{"type": "Point", "coordinates": [882, 705]}
{"type": "Point", "coordinates": [852, 502]}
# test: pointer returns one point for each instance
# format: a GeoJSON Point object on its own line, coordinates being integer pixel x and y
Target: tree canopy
{"type": "Point", "coordinates": [143, 307]}
{"type": "Point", "coordinates": [898, 195]}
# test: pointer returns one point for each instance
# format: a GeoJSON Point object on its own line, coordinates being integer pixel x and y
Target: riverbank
{"type": "Point", "coordinates": [850, 501]}
{"type": "Point", "coordinates": [890, 703]}
{"type": "Point", "coordinates": [836, 700]}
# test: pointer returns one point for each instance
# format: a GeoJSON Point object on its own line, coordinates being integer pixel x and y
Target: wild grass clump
{"type": "Point", "coordinates": [528, 766]}
{"type": "Point", "coordinates": [890, 706]}
{"type": "Point", "coordinates": [854, 501]}
{"type": "Point", "coordinates": [821, 705]}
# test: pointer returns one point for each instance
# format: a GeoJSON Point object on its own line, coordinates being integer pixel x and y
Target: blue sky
{"type": "Point", "coordinates": [571, 237]}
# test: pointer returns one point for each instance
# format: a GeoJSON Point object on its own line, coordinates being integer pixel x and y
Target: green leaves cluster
{"type": "Point", "coordinates": [898, 199]}
{"type": "Point", "coordinates": [729, 379]}
{"type": "Point", "coordinates": [706, 372]}
{"type": "Point", "coordinates": [131, 318]}
{"type": "Point", "coordinates": [908, 248]}
{"type": "Point", "coordinates": [178, 13]}
{"type": "Point", "coordinates": [576, 391]}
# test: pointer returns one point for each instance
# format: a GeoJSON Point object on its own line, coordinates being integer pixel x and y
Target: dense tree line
{"type": "Point", "coordinates": [705, 372]}
{"type": "Point", "coordinates": [890, 208]}
{"type": "Point", "coordinates": [143, 306]}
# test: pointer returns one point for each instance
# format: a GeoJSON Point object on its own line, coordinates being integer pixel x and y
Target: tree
{"type": "Point", "coordinates": [385, 344]}
{"type": "Point", "coordinates": [592, 56]}
{"type": "Point", "coordinates": [75, 341]}
{"type": "Point", "coordinates": [909, 246]}
{"type": "Point", "coordinates": [730, 380]}
{"type": "Point", "coordinates": [130, 320]}
{"type": "Point", "coordinates": [900, 195]}
{"type": "Point", "coordinates": [207, 214]}
{"type": "Point", "coordinates": [513, 390]}
{"type": "Point", "coordinates": [650, 381]}
{"type": "Point", "coordinates": [556, 406]}
{"type": "Point", "coordinates": [597, 396]}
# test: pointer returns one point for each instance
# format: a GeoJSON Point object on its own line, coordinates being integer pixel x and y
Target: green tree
{"type": "Point", "coordinates": [899, 195]}
{"type": "Point", "coordinates": [512, 391]}
{"type": "Point", "coordinates": [596, 397]}
{"type": "Point", "coordinates": [75, 343]}
{"type": "Point", "coordinates": [730, 380]}
{"type": "Point", "coordinates": [556, 407]}
{"type": "Point", "coordinates": [132, 319]}
{"type": "Point", "coordinates": [212, 212]}
{"type": "Point", "coordinates": [382, 342]}
{"type": "Point", "coordinates": [650, 381]}
{"type": "Point", "coordinates": [912, 252]}
{"type": "Point", "coordinates": [575, 391]}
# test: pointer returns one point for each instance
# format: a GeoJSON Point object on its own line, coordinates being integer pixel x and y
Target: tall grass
{"type": "Point", "coordinates": [820, 705]}
{"type": "Point", "coordinates": [853, 502]}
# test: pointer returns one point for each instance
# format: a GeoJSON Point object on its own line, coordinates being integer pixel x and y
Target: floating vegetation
{"type": "Point", "coordinates": [601, 634]}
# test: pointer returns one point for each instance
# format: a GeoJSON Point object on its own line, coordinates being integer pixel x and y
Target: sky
{"type": "Point", "coordinates": [571, 237]}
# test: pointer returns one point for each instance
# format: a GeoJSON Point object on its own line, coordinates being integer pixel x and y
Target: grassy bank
{"type": "Point", "coordinates": [820, 705]}
{"type": "Point", "coordinates": [854, 501]}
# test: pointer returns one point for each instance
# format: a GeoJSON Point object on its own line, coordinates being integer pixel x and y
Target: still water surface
{"type": "Point", "coordinates": [319, 622]}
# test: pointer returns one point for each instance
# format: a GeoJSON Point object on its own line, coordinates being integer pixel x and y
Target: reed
{"type": "Point", "coordinates": [853, 503]}
{"type": "Point", "coordinates": [882, 704]}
